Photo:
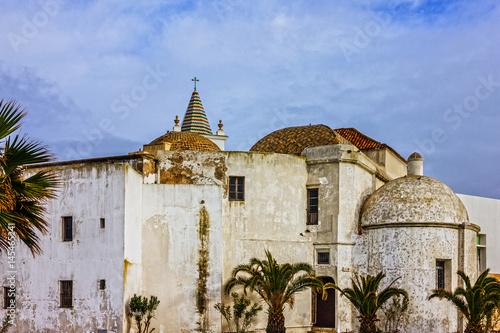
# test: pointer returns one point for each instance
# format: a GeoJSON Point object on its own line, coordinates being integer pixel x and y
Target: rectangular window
{"type": "Point", "coordinates": [67, 228]}
{"type": "Point", "coordinates": [236, 188]}
{"type": "Point", "coordinates": [323, 258]}
{"type": "Point", "coordinates": [101, 331]}
{"type": "Point", "coordinates": [481, 252]}
{"type": "Point", "coordinates": [66, 293]}
{"type": "Point", "coordinates": [9, 298]}
{"type": "Point", "coordinates": [102, 284]}
{"type": "Point", "coordinates": [312, 206]}
{"type": "Point", "coordinates": [440, 276]}
{"type": "Point", "coordinates": [102, 223]}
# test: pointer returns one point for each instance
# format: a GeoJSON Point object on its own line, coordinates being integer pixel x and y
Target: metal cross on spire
{"type": "Point", "coordinates": [195, 80]}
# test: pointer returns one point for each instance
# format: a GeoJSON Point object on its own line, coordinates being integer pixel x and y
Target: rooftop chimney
{"type": "Point", "coordinates": [415, 165]}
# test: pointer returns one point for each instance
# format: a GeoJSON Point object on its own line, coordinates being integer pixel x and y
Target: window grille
{"type": "Point", "coordinates": [9, 298]}
{"type": "Point", "coordinates": [323, 258]}
{"type": "Point", "coordinates": [66, 294]}
{"type": "Point", "coordinates": [440, 282]}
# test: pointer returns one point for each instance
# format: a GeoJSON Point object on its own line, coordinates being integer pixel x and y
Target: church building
{"type": "Point", "coordinates": [173, 220]}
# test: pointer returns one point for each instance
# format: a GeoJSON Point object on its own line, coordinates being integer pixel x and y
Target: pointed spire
{"type": "Point", "coordinates": [195, 119]}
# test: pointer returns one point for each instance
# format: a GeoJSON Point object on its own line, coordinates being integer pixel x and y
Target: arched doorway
{"type": "Point", "coordinates": [325, 309]}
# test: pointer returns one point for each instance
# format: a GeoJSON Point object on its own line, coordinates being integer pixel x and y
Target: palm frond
{"type": "Point", "coordinates": [11, 115]}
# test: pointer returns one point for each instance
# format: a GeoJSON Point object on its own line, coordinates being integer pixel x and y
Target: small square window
{"type": "Point", "coordinates": [66, 293]}
{"type": "Point", "coordinates": [102, 284]}
{"type": "Point", "coordinates": [102, 223]}
{"type": "Point", "coordinates": [9, 298]}
{"type": "Point", "coordinates": [67, 228]}
{"type": "Point", "coordinates": [237, 188]}
{"type": "Point", "coordinates": [323, 258]}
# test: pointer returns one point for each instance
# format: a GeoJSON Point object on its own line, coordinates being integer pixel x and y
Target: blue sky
{"type": "Point", "coordinates": [104, 77]}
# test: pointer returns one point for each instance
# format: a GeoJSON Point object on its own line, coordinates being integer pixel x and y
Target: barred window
{"type": "Point", "coordinates": [440, 281]}
{"type": "Point", "coordinates": [9, 298]}
{"type": "Point", "coordinates": [66, 293]}
{"type": "Point", "coordinates": [323, 258]}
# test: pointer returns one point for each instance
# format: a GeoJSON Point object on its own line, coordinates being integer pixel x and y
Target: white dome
{"type": "Point", "coordinates": [413, 199]}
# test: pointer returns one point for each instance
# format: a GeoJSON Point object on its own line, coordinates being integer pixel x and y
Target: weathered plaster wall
{"type": "Point", "coordinates": [392, 164]}
{"type": "Point", "coordinates": [191, 167]}
{"type": "Point", "coordinates": [272, 217]}
{"type": "Point", "coordinates": [485, 212]}
{"type": "Point", "coordinates": [409, 223]}
{"type": "Point", "coordinates": [411, 253]}
{"type": "Point", "coordinates": [87, 193]}
{"type": "Point", "coordinates": [132, 240]}
{"type": "Point", "coordinates": [344, 178]}
{"type": "Point", "coordinates": [182, 254]}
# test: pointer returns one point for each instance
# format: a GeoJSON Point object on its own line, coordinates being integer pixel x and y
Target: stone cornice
{"type": "Point", "coordinates": [447, 225]}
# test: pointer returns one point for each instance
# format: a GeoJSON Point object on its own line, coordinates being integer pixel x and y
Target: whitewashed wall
{"type": "Point", "coordinates": [485, 212]}
{"type": "Point", "coordinates": [88, 193]}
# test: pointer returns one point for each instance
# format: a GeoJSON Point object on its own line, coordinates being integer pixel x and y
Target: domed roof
{"type": "Point", "coordinates": [293, 140]}
{"type": "Point", "coordinates": [413, 199]}
{"type": "Point", "coordinates": [415, 155]}
{"type": "Point", "coordinates": [186, 141]}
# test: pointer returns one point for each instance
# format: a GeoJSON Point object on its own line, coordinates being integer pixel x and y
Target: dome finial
{"type": "Point", "coordinates": [220, 131]}
{"type": "Point", "coordinates": [177, 128]}
{"type": "Point", "coordinates": [195, 80]}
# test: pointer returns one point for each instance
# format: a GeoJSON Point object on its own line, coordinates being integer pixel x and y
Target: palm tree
{"type": "Point", "coordinates": [276, 284]}
{"type": "Point", "coordinates": [21, 195]}
{"type": "Point", "coordinates": [363, 295]}
{"type": "Point", "coordinates": [476, 302]}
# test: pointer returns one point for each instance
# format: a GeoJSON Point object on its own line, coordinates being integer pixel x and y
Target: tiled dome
{"type": "Point", "coordinates": [187, 141]}
{"type": "Point", "coordinates": [293, 140]}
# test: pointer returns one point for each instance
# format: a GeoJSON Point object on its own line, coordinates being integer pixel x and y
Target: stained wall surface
{"type": "Point", "coordinates": [88, 193]}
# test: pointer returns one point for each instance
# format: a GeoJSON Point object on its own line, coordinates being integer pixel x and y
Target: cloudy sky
{"type": "Point", "coordinates": [102, 78]}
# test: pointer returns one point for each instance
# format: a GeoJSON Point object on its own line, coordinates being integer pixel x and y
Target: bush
{"type": "Point", "coordinates": [142, 309]}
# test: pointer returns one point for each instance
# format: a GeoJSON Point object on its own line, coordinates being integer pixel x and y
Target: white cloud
{"type": "Point", "coordinates": [260, 61]}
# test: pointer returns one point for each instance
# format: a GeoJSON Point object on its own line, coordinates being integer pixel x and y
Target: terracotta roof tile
{"type": "Point", "coordinates": [362, 141]}
{"type": "Point", "coordinates": [187, 141]}
{"type": "Point", "coordinates": [292, 140]}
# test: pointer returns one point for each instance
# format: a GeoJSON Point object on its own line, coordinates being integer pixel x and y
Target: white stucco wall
{"type": "Point", "coordinates": [410, 254]}
{"type": "Point", "coordinates": [171, 254]}
{"type": "Point", "coordinates": [87, 193]}
{"type": "Point", "coordinates": [132, 240]}
{"type": "Point", "coordinates": [485, 212]}
{"type": "Point", "coordinates": [344, 177]}
{"type": "Point", "coordinates": [272, 217]}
